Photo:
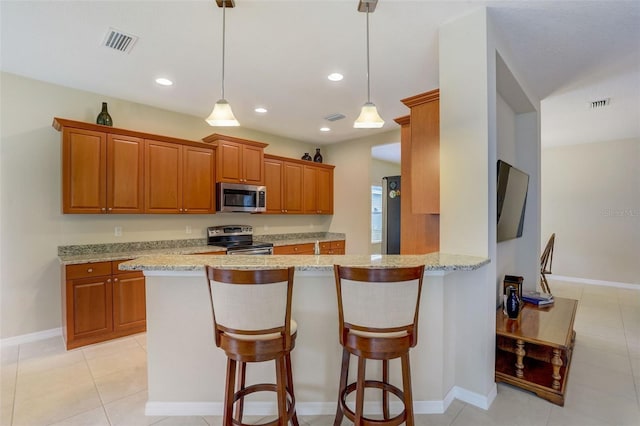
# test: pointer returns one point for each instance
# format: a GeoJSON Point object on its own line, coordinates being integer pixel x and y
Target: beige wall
{"type": "Point", "coordinates": [32, 227]}
{"type": "Point", "coordinates": [591, 200]}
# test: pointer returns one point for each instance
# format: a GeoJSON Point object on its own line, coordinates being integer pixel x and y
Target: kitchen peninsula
{"type": "Point", "coordinates": [186, 372]}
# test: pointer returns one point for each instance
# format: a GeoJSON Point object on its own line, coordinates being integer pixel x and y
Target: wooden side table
{"type": "Point", "coordinates": [534, 351]}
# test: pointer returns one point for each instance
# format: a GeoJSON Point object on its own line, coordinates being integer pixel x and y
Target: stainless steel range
{"type": "Point", "coordinates": [238, 239]}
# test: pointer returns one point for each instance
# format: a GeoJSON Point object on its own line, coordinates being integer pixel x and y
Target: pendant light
{"type": "Point", "coordinates": [222, 114]}
{"type": "Point", "coordinates": [369, 117]}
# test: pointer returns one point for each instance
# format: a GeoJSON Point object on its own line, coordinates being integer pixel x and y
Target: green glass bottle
{"type": "Point", "coordinates": [104, 118]}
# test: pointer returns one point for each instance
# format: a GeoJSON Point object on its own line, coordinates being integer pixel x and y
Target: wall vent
{"type": "Point", "coordinates": [119, 40]}
{"type": "Point", "coordinates": [600, 103]}
{"type": "Point", "coordinates": [334, 117]}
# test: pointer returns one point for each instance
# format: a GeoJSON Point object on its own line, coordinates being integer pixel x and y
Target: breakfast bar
{"type": "Point", "coordinates": [186, 372]}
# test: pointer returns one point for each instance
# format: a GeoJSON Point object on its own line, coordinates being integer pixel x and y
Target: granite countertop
{"type": "Point", "coordinates": [177, 263]}
{"type": "Point", "coordinates": [76, 254]}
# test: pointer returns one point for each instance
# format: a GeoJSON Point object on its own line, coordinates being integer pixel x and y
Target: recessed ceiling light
{"type": "Point", "coordinates": [335, 76]}
{"type": "Point", "coordinates": [260, 110]}
{"type": "Point", "coordinates": [164, 81]}
{"type": "Point", "coordinates": [325, 129]}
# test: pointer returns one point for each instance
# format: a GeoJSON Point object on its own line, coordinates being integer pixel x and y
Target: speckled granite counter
{"type": "Point", "coordinates": [432, 262]}
{"type": "Point", "coordinates": [75, 254]}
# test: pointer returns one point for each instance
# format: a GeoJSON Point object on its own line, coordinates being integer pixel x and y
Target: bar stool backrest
{"type": "Point", "coordinates": [251, 302]}
{"type": "Point", "coordinates": [379, 300]}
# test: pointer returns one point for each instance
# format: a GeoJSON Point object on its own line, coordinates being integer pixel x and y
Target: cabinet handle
{"type": "Point", "coordinates": [89, 269]}
{"type": "Point", "coordinates": [115, 280]}
{"type": "Point", "coordinates": [110, 208]}
{"type": "Point", "coordinates": [109, 280]}
{"type": "Point", "coordinates": [103, 209]}
{"type": "Point", "coordinates": [186, 210]}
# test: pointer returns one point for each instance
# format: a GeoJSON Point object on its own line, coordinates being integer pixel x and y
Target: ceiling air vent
{"type": "Point", "coordinates": [120, 41]}
{"type": "Point", "coordinates": [600, 103]}
{"type": "Point", "coordinates": [335, 117]}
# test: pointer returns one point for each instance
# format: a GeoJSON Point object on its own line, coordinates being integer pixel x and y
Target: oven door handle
{"type": "Point", "coordinates": [253, 251]}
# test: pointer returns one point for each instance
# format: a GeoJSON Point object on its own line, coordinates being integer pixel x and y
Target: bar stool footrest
{"type": "Point", "coordinates": [261, 387]}
{"type": "Point", "coordinates": [351, 415]}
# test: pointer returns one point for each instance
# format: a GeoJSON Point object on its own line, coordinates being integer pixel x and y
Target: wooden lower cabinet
{"type": "Point", "coordinates": [332, 247]}
{"type": "Point", "coordinates": [308, 248]}
{"type": "Point", "coordinates": [100, 303]}
{"type": "Point", "coordinates": [326, 247]}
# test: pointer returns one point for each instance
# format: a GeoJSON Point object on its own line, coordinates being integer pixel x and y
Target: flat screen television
{"type": "Point", "coordinates": [512, 201]}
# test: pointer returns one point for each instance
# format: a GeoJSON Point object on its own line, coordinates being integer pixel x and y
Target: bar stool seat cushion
{"type": "Point", "coordinates": [262, 337]}
{"type": "Point", "coordinates": [373, 334]}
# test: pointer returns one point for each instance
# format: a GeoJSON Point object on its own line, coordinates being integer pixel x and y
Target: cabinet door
{"type": "Point", "coordinates": [325, 191]}
{"type": "Point", "coordinates": [273, 172]}
{"type": "Point", "coordinates": [163, 177]}
{"type": "Point", "coordinates": [252, 165]}
{"type": "Point", "coordinates": [425, 157]}
{"type": "Point", "coordinates": [89, 308]}
{"type": "Point", "coordinates": [125, 174]}
{"type": "Point", "coordinates": [229, 162]}
{"type": "Point", "coordinates": [84, 154]}
{"type": "Point", "coordinates": [129, 309]}
{"type": "Point", "coordinates": [198, 190]}
{"type": "Point", "coordinates": [293, 188]}
{"type": "Point", "coordinates": [310, 182]}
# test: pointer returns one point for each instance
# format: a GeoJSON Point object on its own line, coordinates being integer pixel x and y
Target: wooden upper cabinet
{"type": "Point", "coordinates": [283, 179]}
{"type": "Point", "coordinates": [273, 177]}
{"type": "Point", "coordinates": [163, 177]}
{"type": "Point", "coordinates": [318, 190]}
{"type": "Point", "coordinates": [179, 179]}
{"type": "Point", "coordinates": [111, 170]}
{"type": "Point", "coordinates": [325, 191]}
{"type": "Point", "coordinates": [125, 174]}
{"type": "Point", "coordinates": [198, 182]}
{"type": "Point", "coordinates": [293, 187]}
{"type": "Point", "coordinates": [424, 176]}
{"type": "Point", "coordinates": [238, 160]}
{"type": "Point", "coordinates": [101, 172]}
{"type": "Point", "coordinates": [84, 171]}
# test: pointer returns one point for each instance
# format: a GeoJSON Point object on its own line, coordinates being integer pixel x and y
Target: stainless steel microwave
{"type": "Point", "coordinates": [234, 197]}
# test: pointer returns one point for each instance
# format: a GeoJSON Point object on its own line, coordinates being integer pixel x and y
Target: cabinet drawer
{"type": "Point", "coordinates": [87, 270]}
{"type": "Point", "coordinates": [332, 247]}
{"type": "Point", "coordinates": [295, 249]}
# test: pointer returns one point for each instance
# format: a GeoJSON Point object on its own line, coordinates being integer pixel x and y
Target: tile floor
{"type": "Point", "coordinates": [105, 384]}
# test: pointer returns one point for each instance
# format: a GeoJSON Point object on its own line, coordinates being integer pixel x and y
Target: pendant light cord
{"type": "Point", "coordinates": [224, 4]}
{"type": "Point", "coordinates": [368, 82]}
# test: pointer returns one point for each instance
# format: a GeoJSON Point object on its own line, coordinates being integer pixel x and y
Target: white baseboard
{"type": "Point", "coordinates": [630, 286]}
{"type": "Point", "coordinates": [158, 408]}
{"type": "Point", "coordinates": [31, 337]}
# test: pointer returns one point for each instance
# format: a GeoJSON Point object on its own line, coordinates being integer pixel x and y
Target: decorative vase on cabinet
{"type": "Point", "coordinates": [513, 303]}
{"type": "Point", "coordinates": [104, 118]}
{"type": "Point", "coordinates": [306, 156]}
{"type": "Point", "coordinates": [318, 157]}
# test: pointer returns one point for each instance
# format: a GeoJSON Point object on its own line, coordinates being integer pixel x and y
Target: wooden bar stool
{"type": "Point", "coordinates": [378, 315]}
{"type": "Point", "coordinates": [252, 323]}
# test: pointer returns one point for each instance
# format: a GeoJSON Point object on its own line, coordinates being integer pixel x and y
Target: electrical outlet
{"type": "Point", "coordinates": [187, 229]}
{"type": "Point", "coordinates": [118, 231]}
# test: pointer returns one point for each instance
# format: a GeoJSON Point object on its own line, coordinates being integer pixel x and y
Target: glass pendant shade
{"type": "Point", "coordinates": [368, 118]}
{"type": "Point", "coordinates": [222, 115]}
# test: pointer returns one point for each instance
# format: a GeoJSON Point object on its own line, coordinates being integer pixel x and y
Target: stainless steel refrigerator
{"type": "Point", "coordinates": [391, 215]}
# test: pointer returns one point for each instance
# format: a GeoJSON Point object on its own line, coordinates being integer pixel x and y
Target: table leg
{"type": "Point", "coordinates": [557, 363]}
{"type": "Point", "coordinates": [520, 353]}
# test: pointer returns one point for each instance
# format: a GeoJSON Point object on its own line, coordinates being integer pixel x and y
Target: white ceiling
{"type": "Point", "coordinates": [280, 52]}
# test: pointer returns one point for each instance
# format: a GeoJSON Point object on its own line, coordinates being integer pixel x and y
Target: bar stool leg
{"type": "Point", "coordinates": [229, 393]}
{"type": "Point", "coordinates": [362, 366]}
{"type": "Point", "coordinates": [406, 383]}
{"type": "Point", "coordinates": [242, 375]}
{"type": "Point", "coordinates": [281, 384]}
{"type": "Point", "coordinates": [385, 394]}
{"type": "Point", "coordinates": [287, 359]}
{"type": "Point", "coordinates": [344, 375]}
